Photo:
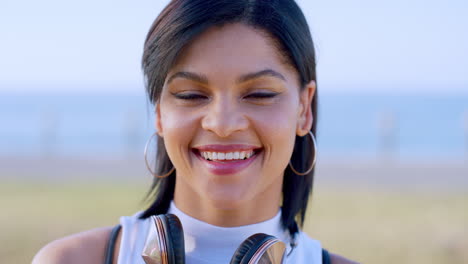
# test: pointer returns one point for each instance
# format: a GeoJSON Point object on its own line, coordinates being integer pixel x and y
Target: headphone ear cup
{"type": "Point", "coordinates": [175, 236]}
{"type": "Point", "coordinates": [248, 248]}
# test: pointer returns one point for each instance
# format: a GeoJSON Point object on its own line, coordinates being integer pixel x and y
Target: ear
{"type": "Point", "coordinates": [305, 117]}
{"type": "Point", "coordinates": [158, 124]}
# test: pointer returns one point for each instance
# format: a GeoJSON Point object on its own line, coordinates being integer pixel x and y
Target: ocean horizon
{"type": "Point", "coordinates": [358, 124]}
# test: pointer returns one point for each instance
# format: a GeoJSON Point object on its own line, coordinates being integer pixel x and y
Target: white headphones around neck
{"type": "Point", "coordinates": [165, 245]}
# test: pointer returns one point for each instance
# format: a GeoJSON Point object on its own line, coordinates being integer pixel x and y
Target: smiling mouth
{"type": "Point", "coordinates": [225, 157]}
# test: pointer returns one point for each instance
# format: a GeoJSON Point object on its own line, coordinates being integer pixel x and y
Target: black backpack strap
{"type": "Point", "coordinates": [111, 244]}
{"type": "Point", "coordinates": [325, 256]}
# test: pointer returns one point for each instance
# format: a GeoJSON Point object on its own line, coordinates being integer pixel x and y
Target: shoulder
{"type": "Point", "coordinates": [85, 247]}
{"type": "Point", "coordinates": [312, 244]}
{"type": "Point", "coordinates": [337, 259]}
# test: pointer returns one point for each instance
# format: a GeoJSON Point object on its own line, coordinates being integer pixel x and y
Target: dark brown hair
{"type": "Point", "coordinates": [179, 23]}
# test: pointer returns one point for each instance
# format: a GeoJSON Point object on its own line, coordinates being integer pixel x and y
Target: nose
{"type": "Point", "coordinates": [224, 117]}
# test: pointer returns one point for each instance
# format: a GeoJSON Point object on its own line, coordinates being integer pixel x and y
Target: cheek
{"type": "Point", "coordinates": [276, 128]}
{"type": "Point", "coordinates": [178, 131]}
{"type": "Point", "coordinates": [173, 119]}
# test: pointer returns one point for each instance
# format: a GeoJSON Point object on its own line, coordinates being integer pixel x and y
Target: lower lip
{"type": "Point", "coordinates": [227, 167]}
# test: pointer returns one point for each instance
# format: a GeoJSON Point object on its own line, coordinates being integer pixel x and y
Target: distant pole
{"type": "Point", "coordinates": [48, 133]}
{"type": "Point", "coordinates": [131, 133]}
{"type": "Point", "coordinates": [387, 135]}
{"type": "Point", "coordinates": [465, 128]}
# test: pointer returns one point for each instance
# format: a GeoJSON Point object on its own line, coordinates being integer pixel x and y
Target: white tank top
{"type": "Point", "coordinates": [209, 244]}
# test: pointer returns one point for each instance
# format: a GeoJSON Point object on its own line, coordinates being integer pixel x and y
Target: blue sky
{"type": "Point", "coordinates": [399, 46]}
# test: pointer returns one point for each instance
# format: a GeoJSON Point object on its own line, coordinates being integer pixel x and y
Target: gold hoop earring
{"type": "Point", "coordinates": [313, 161]}
{"type": "Point", "coordinates": [147, 163]}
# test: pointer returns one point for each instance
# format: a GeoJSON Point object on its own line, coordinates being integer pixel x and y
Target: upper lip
{"type": "Point", "coordinates": [226, 148]}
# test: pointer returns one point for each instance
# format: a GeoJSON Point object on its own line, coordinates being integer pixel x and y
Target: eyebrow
{"type": "Point", "coordinates": [200, 78]}
{"type": "Point", "coordinates": [255, 75]}
{"type": "Point", "coordinates": [189, 75]}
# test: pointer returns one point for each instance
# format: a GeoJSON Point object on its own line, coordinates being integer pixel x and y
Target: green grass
{"type": "Point", "coordinates": [392, 227]}
{"type": "Point", "coordinates": [369, 226]}
{"type": "Point", "coordinates": [33, 215]}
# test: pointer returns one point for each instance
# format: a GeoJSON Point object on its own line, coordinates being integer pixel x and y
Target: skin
{"type": "Point", "coordinates": [227, 116]}
{"type": "Point", "coordinates": [226, 110]}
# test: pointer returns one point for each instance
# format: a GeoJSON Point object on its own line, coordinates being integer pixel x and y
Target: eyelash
{"type": "Point", "coordinates": [263, 95]}
{"type": "Point", "coordinates": [189, 96]}
{"type": "Point", "coordinates": [199, 96]}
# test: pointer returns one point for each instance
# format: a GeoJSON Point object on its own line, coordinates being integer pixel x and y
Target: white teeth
{"type": "Point", "coordinates": [221, 156]}
{"type": "Point", "coordinates": [238, 155]}
{"type": "Point", "coordinates": [242, 155]}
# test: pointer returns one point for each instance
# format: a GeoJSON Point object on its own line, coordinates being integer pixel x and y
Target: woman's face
{"type": "Point", "coordinates": [229, 113]}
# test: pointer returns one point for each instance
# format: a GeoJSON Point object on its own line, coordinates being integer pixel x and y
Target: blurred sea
{"type": "Point", "coordinates": [361, 125]}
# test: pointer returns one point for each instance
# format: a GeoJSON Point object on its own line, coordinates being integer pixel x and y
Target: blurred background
{"type": "Point", "coordinates": [391, 181]}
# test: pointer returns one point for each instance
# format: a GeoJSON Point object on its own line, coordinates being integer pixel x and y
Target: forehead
{"type": "Point", "coordinates": [236, 48]}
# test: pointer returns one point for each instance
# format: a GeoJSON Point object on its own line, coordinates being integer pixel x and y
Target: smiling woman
{"type": "Point", "coordinates": [249, 106]}
{"type": "Point", "coordinates": [234, 89]}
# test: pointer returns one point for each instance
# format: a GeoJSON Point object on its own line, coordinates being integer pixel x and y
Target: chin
{"type": "Point", "coordinates": [227, 200]}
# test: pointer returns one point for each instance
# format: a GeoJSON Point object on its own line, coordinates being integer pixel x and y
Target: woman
{"type": "Point", "coordinates": [233, 84]}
